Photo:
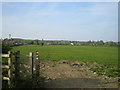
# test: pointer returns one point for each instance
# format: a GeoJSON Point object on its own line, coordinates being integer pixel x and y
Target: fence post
{"type": "Point", "coordinates": [31, 63]}
{"type": "Point", "coordinates": [10, 69]}
{"type": "Point", "coordinates": [17, 59]}
{"type": "Point", "coordinates": [37, 65]}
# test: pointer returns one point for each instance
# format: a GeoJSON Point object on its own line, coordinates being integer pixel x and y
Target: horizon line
{"type": "Point", "coordinates": [59, 39]}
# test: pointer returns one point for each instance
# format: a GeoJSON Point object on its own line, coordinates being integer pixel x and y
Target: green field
{"type": "Point", "coordinates": [100, 54]}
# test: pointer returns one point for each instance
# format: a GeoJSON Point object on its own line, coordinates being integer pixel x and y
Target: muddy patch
{"type": "Point", "coordinates": [74, 74]}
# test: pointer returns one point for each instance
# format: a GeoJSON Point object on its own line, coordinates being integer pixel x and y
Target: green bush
{"type": "Point", "coordinates": [5, 48]}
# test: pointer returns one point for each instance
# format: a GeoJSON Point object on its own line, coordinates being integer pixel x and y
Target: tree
{"type": "Point", "coordinates": [111, 43]}
{"type": "Point", "coordinates": [101, 42]}
{"type": "Point", "coordinates": [32, 42]}
{"type": "Point", "coordinates": [37, 42]}
{"type": "Point", "coordinates": [5, 48]}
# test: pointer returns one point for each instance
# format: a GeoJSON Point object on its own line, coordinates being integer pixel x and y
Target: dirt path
{"type": "Point", "coordinates": [69, 74]}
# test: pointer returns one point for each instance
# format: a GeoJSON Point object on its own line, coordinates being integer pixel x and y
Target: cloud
{"type": "Point", "coordinates": [48, 20]}
{"type": "Point", "coordinates": [104, 9]}
{"type": "Point", "coordinates": [60, 0]}
{"type": "Point", "coordinates": [0, 20]}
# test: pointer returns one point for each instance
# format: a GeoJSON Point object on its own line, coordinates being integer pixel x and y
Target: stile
{"type": "Point", "coordinates": [37, 65]}
{"type": "Point", "coordinates": [17, 66]}
{"type": "Point", "coordinates": [10, 69]}
{"type": "Point", "coordinates": [17, 58]}
{"type": "Point", "coordinates": [6, 78]}
{"type": "Point", "coordinates": [31, 63]}
{"type": "Point", "coordinates": [4, 55]}
{"type": "Point", "coordinates": [5, 66]}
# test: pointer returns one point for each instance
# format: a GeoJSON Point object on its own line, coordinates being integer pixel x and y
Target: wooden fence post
{"type": "Point", "coordinates": [37, 65]}
{"type": "Point", "coordinates": [17, 58]}
{"type": "Point", "coordinates": [31, 63]}
{"type": "Point", "coordinates": [10, 69]}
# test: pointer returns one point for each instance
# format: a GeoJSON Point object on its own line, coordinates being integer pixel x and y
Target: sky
{"type": "Point", "coordinates": [79, 21]}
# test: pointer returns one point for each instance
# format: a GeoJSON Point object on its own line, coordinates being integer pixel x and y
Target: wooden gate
{"type": "Point", "coordinates": [15, 66]}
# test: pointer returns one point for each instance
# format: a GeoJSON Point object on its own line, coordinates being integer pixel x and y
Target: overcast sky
{"type": "Point", "coordinates": [61, 20]}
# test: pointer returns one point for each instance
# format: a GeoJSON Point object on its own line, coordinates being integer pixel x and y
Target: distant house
{"type": "Point", "coordinates": [16, 43]}
{"type": "Point", "coordinates": [71, 44]}
{"type": "Point", "coordinates": [49, 43]}
{"type": "Point", "coordinates": [12, 43]}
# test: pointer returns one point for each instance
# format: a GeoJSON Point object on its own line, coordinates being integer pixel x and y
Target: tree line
{"type": "Point", "coordinates": [17, 41]}
{"type": "Point", "coordinates": [8, 43]}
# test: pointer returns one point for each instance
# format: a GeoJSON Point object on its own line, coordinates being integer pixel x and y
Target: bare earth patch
{"type": "Point", "coordinates": [73, 74]}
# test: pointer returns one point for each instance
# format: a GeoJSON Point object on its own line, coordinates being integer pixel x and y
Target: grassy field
{"type": "Point", "coordinates": [100, 54]}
